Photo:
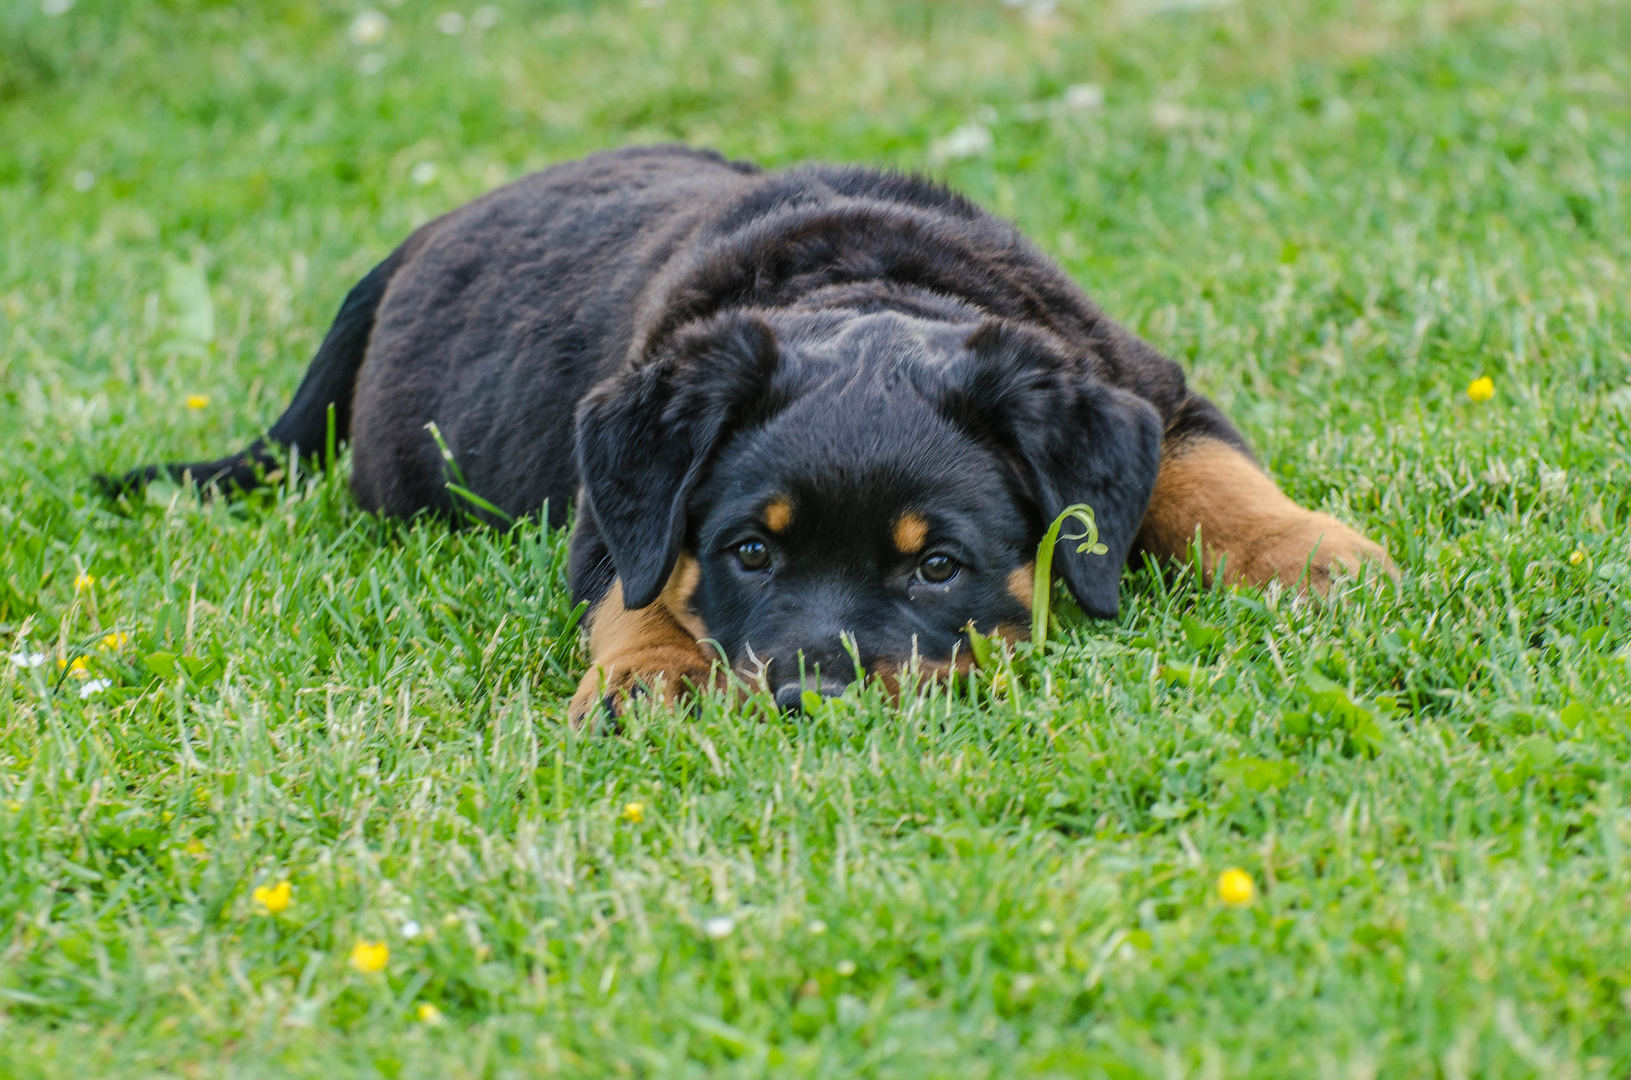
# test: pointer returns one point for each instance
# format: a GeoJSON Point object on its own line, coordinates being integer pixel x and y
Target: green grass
{"type": "Point", "coordinates": [1335, 212]}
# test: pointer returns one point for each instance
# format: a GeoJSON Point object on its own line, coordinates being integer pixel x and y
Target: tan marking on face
{"type": "Point", "coordinates": [1245, 522]}
{"type": "Point", "coordinates": [657, 646]}
{"type": "Point", "coordinates": [911, 530]}
{"type": "Point", "coordinates": [677, 593]}
{"type": "Point", "coordinates": [778, 514]}
{"type": "Point", "coordinates": [1022, 584]}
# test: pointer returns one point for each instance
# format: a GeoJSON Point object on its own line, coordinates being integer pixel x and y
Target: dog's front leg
{"type": "Point", "coordinates": [1246, 522]}
{"type": "Point", "coordinates": [656, 649]}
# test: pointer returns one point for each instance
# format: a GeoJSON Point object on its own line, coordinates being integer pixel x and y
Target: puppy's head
{"type": "Point", "coordinates": [859, 487]}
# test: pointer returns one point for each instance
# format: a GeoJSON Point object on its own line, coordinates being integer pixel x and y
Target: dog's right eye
{"type": "Point", "coordinates": [753, 555]}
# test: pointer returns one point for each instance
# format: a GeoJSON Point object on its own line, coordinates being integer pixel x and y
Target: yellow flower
{"type": "Point", "coordinates": [1236, 888]}
{"type": "Point", "coordinates": [275, 899]}
{"type": "Point", "coordinates": [370, 957]}
{"type": "Point", "coordinates": [428, 1014]}
{"type": "Point", "coordinates": [78, 667]}
{"type": "Point", "coordinates": [1577, 558]}
{"type": "Point", "coordinates": [113, 641]}
{"type": "Point", "coordinates": [198, 401]}
{"type": "Point", "coordinates": [84, 581]}
{"type": "Point", "coordinates": [194, 846]}
{"type": "Point", "coordinates": [1481, 388]}
{"type": "Point", "coordinates": [634, 813]}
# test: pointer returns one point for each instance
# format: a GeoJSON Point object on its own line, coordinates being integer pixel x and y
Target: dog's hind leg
{"type": "Point", "coordinates": [329, 384]}
{"type": "Point", "coordinates": [1245, 521]}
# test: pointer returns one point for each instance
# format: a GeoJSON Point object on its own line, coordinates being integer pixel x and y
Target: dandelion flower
{"type": "Point", "coordinates": [113, 642]}
{"type": "Point", "coordinates": [1084, 97]}
{"type": "Point", "coordinates": [368, 28]}
{"type": "Point", "coordinates": [83, 581]}
{"type": "Point", "coordinates": [275, 899]}
{"type": "Point", "coordinates": [1481, 388]}
{"type": "Point", "coordinates": [1577, 558]}
{"type": "Point", "coordinates": [428, 1014]}
{"type": "Point", "coordinates": [370, 957]}
{"type": "Point", "coordinates": [719, 927]}
{"type": "Point", "coordinates": [78, 667]}
{"type": "Point", "coordinates": [970, 140]}
{"type": "Point", "coordinates": [198, 401]}
{"type": "Point", "coordinates": [1236, 887]}
{"type": "Point", "coordinates": [634, 813]}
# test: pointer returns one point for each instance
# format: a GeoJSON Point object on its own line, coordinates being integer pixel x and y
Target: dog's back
{"type": "Point", "coordinates": [506, 311]}
{"type": "Point", "coordinates": [494, 320]}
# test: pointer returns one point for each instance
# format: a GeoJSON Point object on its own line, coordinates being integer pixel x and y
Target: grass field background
{"type": "Point", "coordinates": [1336, 213]}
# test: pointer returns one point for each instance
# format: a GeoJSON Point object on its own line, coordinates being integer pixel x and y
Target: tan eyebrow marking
{"type": "Point", "coordinates": [910, 532]}
{"type": "Point", "coordinates": [778, 514]}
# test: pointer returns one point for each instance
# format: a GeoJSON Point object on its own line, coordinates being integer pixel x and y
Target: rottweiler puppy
{"type": "Point", "coordinates": [814, 422]}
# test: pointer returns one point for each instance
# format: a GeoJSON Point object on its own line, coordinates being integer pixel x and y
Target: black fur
{"type": "Point", "coordinates": [645, 438]}
{"type": "Point", "coordinates": [680, 338]}
{"type": "Point", "coordinates": [1080, 439]}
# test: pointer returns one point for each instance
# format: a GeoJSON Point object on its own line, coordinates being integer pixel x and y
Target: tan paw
{"type": "Point", "coordinates": [607, 692]}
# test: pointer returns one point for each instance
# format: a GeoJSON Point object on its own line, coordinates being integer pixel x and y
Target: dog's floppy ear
{"type": "Point", "coordinates": [644, 438]}
{"type": "Point", "coordinates": [1080, 440]}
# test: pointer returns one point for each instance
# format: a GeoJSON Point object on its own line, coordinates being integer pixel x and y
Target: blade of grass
{"type": "Point", "coordinates": [1041, 597]}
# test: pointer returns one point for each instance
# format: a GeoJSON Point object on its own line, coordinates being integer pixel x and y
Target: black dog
{"type": "Point", "coordinates": [796, 408]}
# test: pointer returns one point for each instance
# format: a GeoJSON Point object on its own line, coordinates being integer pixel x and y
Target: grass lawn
{"type": "Point", "coordinates": [1337, 213]}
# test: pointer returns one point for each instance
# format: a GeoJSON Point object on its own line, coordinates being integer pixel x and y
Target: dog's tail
{"type": "Point", "coordinates": [330, 384]}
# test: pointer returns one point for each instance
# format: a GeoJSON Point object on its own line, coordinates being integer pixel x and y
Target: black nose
{"type": "Point", "coordinates": [790, 696]}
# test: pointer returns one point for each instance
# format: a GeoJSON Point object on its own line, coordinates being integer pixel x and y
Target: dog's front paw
{"type": "Point", "coordinates": [1306, 553]}
{"type": "Point", "coordinates": [608, 692]}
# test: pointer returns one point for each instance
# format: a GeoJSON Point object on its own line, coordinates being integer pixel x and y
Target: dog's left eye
{"type": "Point", "coordinates": [937, 569]}
{"type": "Point", "coordinates": [753, 555]}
